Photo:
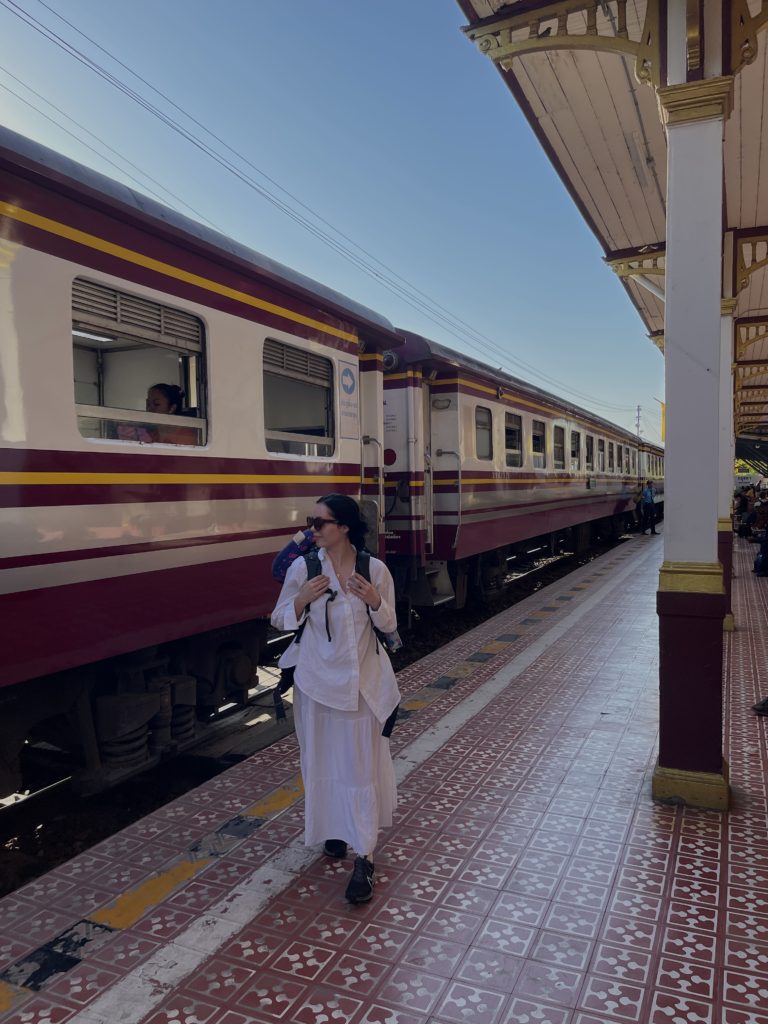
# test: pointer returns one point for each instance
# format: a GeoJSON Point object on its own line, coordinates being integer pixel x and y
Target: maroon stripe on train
{"type": "Point", "coordinates": [47, 495]}
{"type": "Point", "coordinates": [108, 551]}
{"type": "Point", "coordinates": [477, 537]}
{"type": "Point", "coordinates": [115, 226]}
{"type": "Point", "coordinates": [65, 627]}
{"type": "Point", "coordinates": [402, 382]}
{"type": "Point", "coordinates": [32, 460]}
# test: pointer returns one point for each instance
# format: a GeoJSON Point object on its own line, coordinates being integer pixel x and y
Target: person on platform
{"type": "Point", "coordinates": [344, 689]}
{"type": "Point", "coordinates": [649, 508]}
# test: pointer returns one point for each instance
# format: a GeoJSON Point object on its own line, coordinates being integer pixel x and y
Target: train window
{"type": "Point", "coordinates": [590, 453]}
{"type": "Point", "coordinates": [513, 439]}
{"type": "Point", "coordinates": [123, 344]}
{"type": "Point", "coordinates": [600, 455]}
{"type": "Point", "coordinates": [483, 432]}
{"type": "Point", "coordinates": [575, 450]}
{"type": "Point", "coordinates": [539, 444]}
{"type": "Point", "coordinates": [298, 401]}
{"type": "Point", "coordinates": [619, 457]}
{"type": "Point", "coordinates": [611, 466]}
{"type": "Point", "coordinates": [634, 462]}
{"type": "Point", "coordinates": [558, 447]}
{"type": "Point", "coordinates": [626, 461]}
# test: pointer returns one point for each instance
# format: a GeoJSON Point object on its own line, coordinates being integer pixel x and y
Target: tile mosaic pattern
{"type": "Point", "coordinates": [528, 878]}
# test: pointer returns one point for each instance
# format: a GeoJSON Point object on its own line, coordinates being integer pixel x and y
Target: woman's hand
{"type": "Point", "coordinates": [310, 591]}
{"type": "Point", "coordinates": [360, 587]}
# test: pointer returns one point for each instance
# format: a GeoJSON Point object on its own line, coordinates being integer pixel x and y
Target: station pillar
{"type": "Point", "coordinates": [691, 595]}
{"type": "Point", "coordinates": [725, 459]}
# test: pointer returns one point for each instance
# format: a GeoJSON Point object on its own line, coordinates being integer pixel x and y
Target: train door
{"type": "Point", "coordinates": [426, 412]}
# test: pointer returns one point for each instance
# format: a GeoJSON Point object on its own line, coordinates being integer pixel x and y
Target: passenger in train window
{"type": "Point", "coordinates": [649, 508]}
{"type": "Point", "coordinates": [166, 400]}
{"type": "Point", "coordinates": [344, 688]}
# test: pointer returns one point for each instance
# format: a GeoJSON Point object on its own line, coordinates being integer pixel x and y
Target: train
{"type": "Point", "coordinates": [136, 545]}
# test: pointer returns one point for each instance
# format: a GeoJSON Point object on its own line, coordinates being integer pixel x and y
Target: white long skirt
{"type": "Point", "coordinates": [349, 779]}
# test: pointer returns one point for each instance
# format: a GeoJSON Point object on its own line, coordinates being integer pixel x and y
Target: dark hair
{"type": "Point", "coordinates": [346, 511]}
{"type": "Point", "coordinates": [172, 392]}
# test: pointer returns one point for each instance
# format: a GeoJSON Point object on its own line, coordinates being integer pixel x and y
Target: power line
{"type": "Point", "coordinates": [412, 296]}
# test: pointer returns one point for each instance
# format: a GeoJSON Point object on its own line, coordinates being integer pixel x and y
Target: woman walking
{"type": "Point", "coordinates": [344, 689]}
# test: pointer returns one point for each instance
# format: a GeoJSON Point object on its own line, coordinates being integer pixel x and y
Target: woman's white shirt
{"type": "Point", "coordinates": [335, 672]}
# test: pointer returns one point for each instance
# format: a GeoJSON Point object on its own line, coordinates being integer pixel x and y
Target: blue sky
{"type": "Point", "coordinates": [383, 119]}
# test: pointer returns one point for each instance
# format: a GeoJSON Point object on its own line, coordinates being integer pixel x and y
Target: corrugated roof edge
{"type": "Point", "coordinates": [49, 160]}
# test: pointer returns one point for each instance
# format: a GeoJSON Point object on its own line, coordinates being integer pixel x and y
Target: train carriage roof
{"type": "Point", "coordinates": [418, 349]}
{"type": "Point", "coordinates": [19, 152]}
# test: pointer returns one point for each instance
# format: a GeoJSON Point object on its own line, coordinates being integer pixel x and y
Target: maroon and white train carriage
{"type": "Point", "coordinates": [479, 464]}
{"type": "Point", "coordinates": [124, 531]}
{"type": "Point", "coordinates": [135, 547]}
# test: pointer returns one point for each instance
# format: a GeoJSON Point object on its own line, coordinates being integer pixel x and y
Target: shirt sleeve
{"type": "Point", "coordinates": [284, 614]}
{"type": "Point", "coordinates": [384, 618]}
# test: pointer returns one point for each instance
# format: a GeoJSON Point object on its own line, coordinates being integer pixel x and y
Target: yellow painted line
{"type": "Point", "coordinates": [496, 646]}
{"type": "Point", "coordinates": [462, 668]}
{"type": "Point", "coordinates": [139, 259]}
{"type": "Point", "coordinates": [407, 375]}
{"type": "Point", "coordinates": [416, 703]}
{"type": "Point", "coordinates": [128, 908]}
{"type": "Point", "coordinates": [275, 802]}
{"type": "Point", "coordinates": [10, 995]}
{"type": "Point", "coordinates": [19, 479]}
{"type": "Point", "coordinates": [411, 483]}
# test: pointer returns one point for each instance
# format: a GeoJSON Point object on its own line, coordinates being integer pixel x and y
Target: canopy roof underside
{"type": "Point", "coordinates": [601, 127]}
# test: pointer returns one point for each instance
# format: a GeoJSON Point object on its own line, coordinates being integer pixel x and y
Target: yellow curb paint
{"type": "Point", "coordinates": [417, 703]}
{"type": "Point", "coordinates": [495, 647]}
{"type": "Point", "coordinates": [128, 908]}
{"type": "Point", "coordinates": [462, 668]}
{"type": "Point", "coordinates": [10, 995]}
{"type": "Point", "coordinates": [277, 801]}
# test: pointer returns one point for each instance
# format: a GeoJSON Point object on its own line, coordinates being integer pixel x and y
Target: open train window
{"type": "Point", "coordinates": [539, 444]}
{"type": "Point", "coordinates": [619, 457]}
{"type": "Point", "coordinates": [600, 455]}
{"type": "Point", "coordinates": [298, 401]}
{"type": "Point", "coordinates": [634, 462]}
{"type": "Point", "coordinates": [626, 460]}
{"type": "Point", "coordinates": [513, 439]}
{"type": "Point", "coordinates": [558, 447]}
{"type": "Point", "coordinates": [123, 346]}
{"type": "Point", "coordinates": [610, 457]}
{"type": "Point", "coordinates": [590, 442]}
{"type": "Point", "coordinates": [575, 450]}
{"type": "Point", "coordinates": [483, 432]}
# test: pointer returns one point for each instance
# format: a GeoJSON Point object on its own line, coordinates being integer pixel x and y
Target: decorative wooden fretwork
{"type": "Point", "coordinates": [751, 255]}
{"type": "Point", "coordinates": [749, 333]}
{"type": "Point", "coordinates": [649, 261]}
{"type": "Point", "coordinates": [657, 337]}
{"type": "Point", "coordinates": [599, 25]}
{"type": "Point", "coordinates": [744, 28]}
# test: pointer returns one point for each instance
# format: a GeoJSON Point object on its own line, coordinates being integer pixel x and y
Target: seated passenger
{"type": "Point", "coordinates": [166, 400]}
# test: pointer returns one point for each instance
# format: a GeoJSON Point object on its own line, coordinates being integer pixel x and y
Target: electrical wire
{"type": "Point", "coordinates": [406, 292]}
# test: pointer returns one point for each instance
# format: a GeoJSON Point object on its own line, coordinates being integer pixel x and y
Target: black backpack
{"type": "Point", "coordinates": [314, 568]}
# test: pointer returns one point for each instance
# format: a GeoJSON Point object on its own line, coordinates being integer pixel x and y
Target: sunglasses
{"type": "Point", "coordinates": [316, 523]}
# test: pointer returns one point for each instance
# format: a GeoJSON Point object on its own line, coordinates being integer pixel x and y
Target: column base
{"type": "Point", "coordinates": [708, 790]}
{"type": "Point", "coordinates": [728, 623]}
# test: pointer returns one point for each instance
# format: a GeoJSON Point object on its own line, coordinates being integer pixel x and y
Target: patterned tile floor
{"type": "Point", "coordinates": [529, 878]}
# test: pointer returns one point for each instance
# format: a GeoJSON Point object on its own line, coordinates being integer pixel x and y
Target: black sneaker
{"type": "Point", "coordinates": [761, 708]}
{"type": "Point", "coordinates": [335, 848]}
{"type": "Point", "coordinates": [360, 888]}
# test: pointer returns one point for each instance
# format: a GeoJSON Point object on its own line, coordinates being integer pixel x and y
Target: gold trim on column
{"type": "Point", "coordinates": [691, 578]}
{"type": "Point", "coordinates": [696, 101]}
{"type": "Point", "coordinates": [725, 524]}
{"type": "Point", "coordinates": [709, 790]}
{"type": "Point", "coordinates": [728, 307]}
{"type": "Point", "coordinates": [729, 624]}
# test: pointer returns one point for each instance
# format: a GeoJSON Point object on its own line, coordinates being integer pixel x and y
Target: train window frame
{"type": "Point", "coordinates": [483, 431]}
{"type": "Point", "coordinates": [539, 451]}
{"type": "Point", "coordinates": [619, 458]}
{"type": "Point", "coordinates": [576, 458]}
{"type": "Point", "coordinates": [611, 462]}
{"type": "Point", "coordinates": [513, 423]}
{"type": "Point", "coordinates": [601, 455]}
{"type": "Point", "coordinates": [589, 457]}
{"type": "Point", "coordinates": [110, 322]}
{"type": "Point", "coordinates": [558, 447]}
{"type": "Point", "coordinates": [634, 462]}
{"type": "Point", "coordinates": [304, 368]}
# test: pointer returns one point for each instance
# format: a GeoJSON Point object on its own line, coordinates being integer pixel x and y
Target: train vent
{"type": "Point", "coordinates": [95, 305]}
{"type": "Point", "coordinates": [297, 362]}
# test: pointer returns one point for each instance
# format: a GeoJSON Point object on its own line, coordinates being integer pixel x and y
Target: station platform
{"type": "Point", "coordinates": [529, 878]}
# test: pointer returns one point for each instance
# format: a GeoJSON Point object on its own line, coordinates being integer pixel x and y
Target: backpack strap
{"type": "Point", "coordinates": [363, 567]}
{"type": "Point", "coordinates": [314, 568]}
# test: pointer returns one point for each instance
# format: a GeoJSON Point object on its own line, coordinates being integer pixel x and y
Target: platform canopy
{"type": "Point", "coordinates": [588, 75]}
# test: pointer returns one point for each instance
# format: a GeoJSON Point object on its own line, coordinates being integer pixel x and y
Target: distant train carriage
{"type": "Point", "coordinates": [137, 535]}
{"type": "Point", "coordinates": [479, 464]}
